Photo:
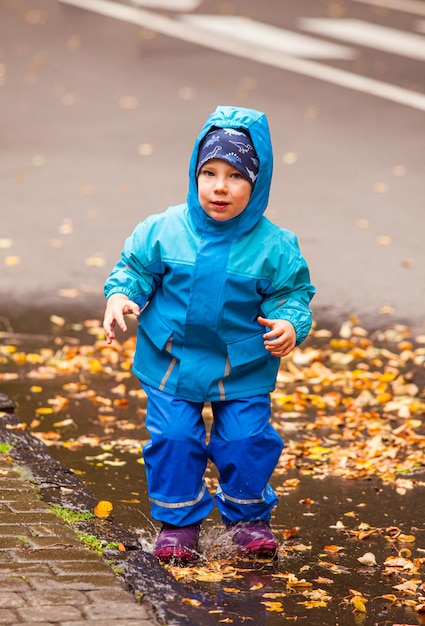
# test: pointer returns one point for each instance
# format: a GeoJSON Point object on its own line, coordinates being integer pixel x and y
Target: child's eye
{"type": "Point", "coordinates": [236, 175]}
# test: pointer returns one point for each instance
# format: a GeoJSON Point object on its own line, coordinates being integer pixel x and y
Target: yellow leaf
{"type": "Point", "coordinates": [44, 410]}
{"type": "Point", "coordinates": [273, 607]}
{"type": "Point", "coordinates": [103, 508]}
{"type": "Point", "coordinates": [231, 590]}
{"type": "Point", "coordinates": [313, 604]}
{"type": "Point", "coordinates": [298, 583]}
{"type": "Point", "coordinates": [115, 463]}
{"type": "Point", "coordinates": [208, 577]}
{"type": "Point", "coordinates": [319, 450]}
{"type": "Point", "coordinates": [359, 603]}
{"type": "Point", "coordinates": [406, 538]}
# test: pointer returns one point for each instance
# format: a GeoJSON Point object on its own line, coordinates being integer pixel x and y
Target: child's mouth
{"type": "Point", "coordinates": [220, 205]}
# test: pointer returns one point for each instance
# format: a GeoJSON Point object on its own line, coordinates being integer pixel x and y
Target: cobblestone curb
{"type": "Point", "coordinates": [48, 576]}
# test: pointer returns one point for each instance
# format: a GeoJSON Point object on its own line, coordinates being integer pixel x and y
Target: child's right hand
{"type": "Point", "coordinates": [117, 306]}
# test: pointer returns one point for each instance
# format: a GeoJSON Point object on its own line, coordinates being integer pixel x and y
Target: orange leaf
{"type": "Point", "coordinates": [333, 549]}
{"type": "Point", "coordinates": [103, 508]}
{"type": "Point", "coordinates": [191, 601]}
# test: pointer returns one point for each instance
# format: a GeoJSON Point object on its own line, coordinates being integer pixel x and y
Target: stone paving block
{"type": "Point", "coordinates": [61, 597]}
{"type": "Point", "coordinates": [54, 528]}
{"type": "Point", "coordinates": [14, 584]}
{"type": "Point", "coordinates": [107, 596]}
{"type": "Point", "coordinates": [23, 504]}
{"type": "Point", "coordinates": [7, 616]}
{"type": "Point", "coordinates": [80, 567]}
{"type": "Point", "coordinates": [37, 517]}
{"type": "Point", "coordinates": [15, 484]}
{"type": "Point", "coordinates": [57, 554]}
{"type": "Point", "coordinates": [10, 472]}
{"type": "Point", "coordinates": [13, 530]}
{"type": "Point", "coordinates": [130, 621]}
{"type": "Point", "coordinates": [21, 496]}
{"type": "Point", "coordinates": [121, 610]}
{"type": "Point", "coordinates": [82, 582]}
{"type": "Point", "coordinates": [46, 543]}
{"type": "Point", "coordinates": [8, 543]}
{"type": "Point", "coordinates": [24, 569]}
{"type": "Point", "coordinates": [9, 600]}
{"type": "Point", "coordinates": [50, 613]}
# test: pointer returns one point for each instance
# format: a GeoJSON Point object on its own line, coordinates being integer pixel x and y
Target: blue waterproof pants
{"type": "Point", "coordinates": [243, 445]}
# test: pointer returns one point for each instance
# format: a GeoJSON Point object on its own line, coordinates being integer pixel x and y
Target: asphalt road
{"type": "Point", "coordinates": [99, 115]}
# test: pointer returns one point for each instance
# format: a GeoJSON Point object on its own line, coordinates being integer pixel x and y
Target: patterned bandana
{"type": "Point", "coordinates": [233, 146]}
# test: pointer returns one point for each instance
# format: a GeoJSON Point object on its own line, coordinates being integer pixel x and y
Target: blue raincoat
{"type": "Point", "coordinates": [202, 284]}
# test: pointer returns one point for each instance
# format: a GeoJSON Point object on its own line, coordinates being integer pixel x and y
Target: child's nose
{"type": "Point", "coordinates": [220, 183]}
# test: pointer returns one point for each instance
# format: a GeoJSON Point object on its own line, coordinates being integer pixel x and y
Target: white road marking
{"type": "Point", "coordinates": [407, 6]}
{"type": "Point", "coordinates": [370, 35]}
{"type": "Point", "coordinates": [172, 5]}
{"type": "Point", "coordinates": [259, 54]}
{"type": "Point", "coordinates": [286, 41]}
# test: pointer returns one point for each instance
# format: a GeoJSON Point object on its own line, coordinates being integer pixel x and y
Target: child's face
{"type": "Point", "coordinates": [222, 191]}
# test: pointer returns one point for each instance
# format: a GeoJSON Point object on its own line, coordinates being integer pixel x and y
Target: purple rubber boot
{"type": "Point", "coordinates": [177, 543]}
{"type": "Point", "coordinates": [254, 539]}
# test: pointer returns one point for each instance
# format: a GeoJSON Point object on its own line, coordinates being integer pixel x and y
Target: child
{"type": "Point", "coordinates": [221, 294]}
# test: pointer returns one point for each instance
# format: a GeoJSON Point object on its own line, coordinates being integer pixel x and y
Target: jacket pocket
{"type": "Point", "coordinates": [158, 332]}
{"type": "Point", "coordinates": [246, 350]}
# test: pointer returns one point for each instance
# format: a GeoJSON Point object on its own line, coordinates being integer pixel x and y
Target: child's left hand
{"type": "Point", "coordinates": [281, 338]}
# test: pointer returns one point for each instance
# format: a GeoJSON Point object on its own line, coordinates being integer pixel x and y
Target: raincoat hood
{"type": "Point", "coordinates": [255, 122]}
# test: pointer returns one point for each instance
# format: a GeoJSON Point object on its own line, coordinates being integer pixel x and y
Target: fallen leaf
{"type": "Point", "coordinates": [273, 607]}
{"type": "Point", "coordinates": [368, 559]}
{"type": "Point", "coordinates": [103, 508]}
{"type": "Point", "coordinates": [191, 601]}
